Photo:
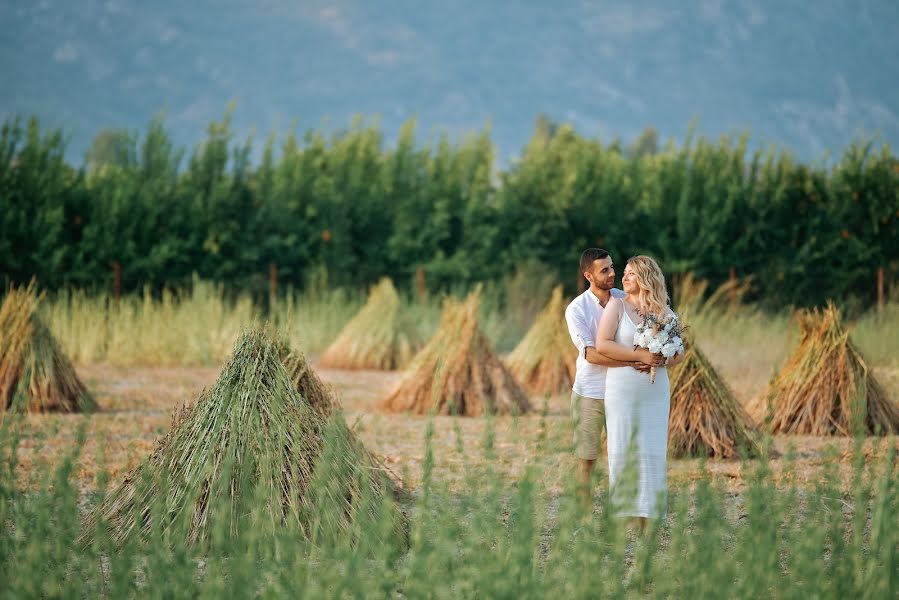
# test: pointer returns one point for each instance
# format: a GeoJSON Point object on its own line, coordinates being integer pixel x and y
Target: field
{"type": "Point", "coordinates": [137, 402]}
{"type": "Point", "coordinates": [492, 509]}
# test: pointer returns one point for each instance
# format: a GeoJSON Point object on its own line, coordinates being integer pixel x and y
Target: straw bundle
{"type": "Point", "coordinates": [706, 419]}
{"type": "Point", "coordinates": [825, 387]}
{"type": "Point", "coordinates": [35, 374]}
{"type": "Point", "coordinates": [305, 381]}
{"type": "Point", "coordinates": [250, 456]}
{"type": "Point", "coordinates": [378, 337]}
{"type": "Point", "coordinates": [458, 372]}
{"type": "Point", "coordinates": [691, 298]}
{"type": "Point", "coordinates": [544, 361]}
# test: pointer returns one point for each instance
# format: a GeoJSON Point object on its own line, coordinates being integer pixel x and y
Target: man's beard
{"type": "Point", "coordinates": [606, 286]}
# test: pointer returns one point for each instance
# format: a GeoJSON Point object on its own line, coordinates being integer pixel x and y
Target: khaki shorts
{"type": "Point", "coordinates": [589, 424]}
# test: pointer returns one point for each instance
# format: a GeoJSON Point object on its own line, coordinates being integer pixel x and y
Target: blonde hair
{"type": "Point", "coordinates": [653, 294]}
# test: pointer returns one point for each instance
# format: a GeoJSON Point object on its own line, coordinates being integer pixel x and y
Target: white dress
{"type": "Point", "coordinates": [637, 420]}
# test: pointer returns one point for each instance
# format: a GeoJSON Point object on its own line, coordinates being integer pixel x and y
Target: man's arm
{"type": "Point", "coordinates": [593, 356]}
{"type": "Point", "coordinates": [584, 339]}
{"type": "Point", "coordinates": [581, 335]}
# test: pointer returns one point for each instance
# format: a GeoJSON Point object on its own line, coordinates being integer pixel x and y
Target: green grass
{"type": "Point", "coordinates": [199, 327]}
{"type": "Point", "coordinates": [475, 534]}
{"type": "Point", "coordinates": [877, 335]}
{"type": "Point", "coordinates": [485, 538]}
{"type": "Point", "coordinates": [194, 328]}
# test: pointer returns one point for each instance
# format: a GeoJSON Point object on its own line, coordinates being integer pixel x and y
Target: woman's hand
{"type": "Point", "coordinates": [649, 358]}
{"type": "Point", "coordinates": [676, 359]}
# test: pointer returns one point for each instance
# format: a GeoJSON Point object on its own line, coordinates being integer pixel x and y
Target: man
{"type": "Point", "coordinates": [588, 392]}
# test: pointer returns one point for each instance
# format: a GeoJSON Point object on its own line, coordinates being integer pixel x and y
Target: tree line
{"type": "Point", "coordinates": [350, 207]}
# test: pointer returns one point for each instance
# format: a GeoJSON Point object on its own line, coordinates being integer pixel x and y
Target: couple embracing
{"type": "Point", "coordinates": [613, 388]}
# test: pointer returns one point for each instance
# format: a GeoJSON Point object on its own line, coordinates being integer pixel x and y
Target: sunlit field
{"type": "Point", "coordinates": [492, 506]}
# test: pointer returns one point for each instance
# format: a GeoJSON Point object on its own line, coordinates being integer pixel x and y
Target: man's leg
{"type": "Point", "coordinates": [585, 489]}
{"type": "Point", "coordinates": [590, 420]}
{"type": "Point", "coordinates": [637, 524]}
{"type": "Point", "coordinates": [585, 470]}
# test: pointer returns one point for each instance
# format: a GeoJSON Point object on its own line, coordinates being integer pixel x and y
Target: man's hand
{"type": "Point", "coordinates": [642, 367]}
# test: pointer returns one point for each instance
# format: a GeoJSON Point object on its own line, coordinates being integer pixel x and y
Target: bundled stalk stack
{"type": "Point", "coordinates": [305, 381]}
{"type": "Point", "coordinates": [458, 372]}
{"type": "Point", "coordinates": [378, 337]}
{"type": "Point", "coordinates": [825, 386]}
{"type": "Point", "coordinates": [254, 456]}
{"type": "Point", "coordinates": [35, 374]}
{"type": "Point", "coordinates": [544, 360]}
{"type": "Point", "coordinates": [706, 419]}
{"type": "Point", "coordinates": [691, 297]}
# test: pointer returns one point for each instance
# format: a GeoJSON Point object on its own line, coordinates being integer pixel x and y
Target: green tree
{"type": "Point", "coordinates": [112, 148]}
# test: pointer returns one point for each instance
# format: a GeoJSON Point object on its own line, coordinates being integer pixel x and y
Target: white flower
{"type": "Point", "coordinates": [679, 343]}
{"type": "Point", "coordinates": [669, 350]}
{"type": "Point", "coordinates": [654, 346]}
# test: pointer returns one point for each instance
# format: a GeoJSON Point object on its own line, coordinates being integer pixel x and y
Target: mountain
{"type": "Point", "coordinates": [806, 76]}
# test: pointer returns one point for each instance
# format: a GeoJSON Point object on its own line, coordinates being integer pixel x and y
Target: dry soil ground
{"type": "Point", "coordinates": [136, 406]}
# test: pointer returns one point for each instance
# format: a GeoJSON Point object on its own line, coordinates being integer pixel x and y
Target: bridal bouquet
{"type": "Point", "coordinates": [660, 335]}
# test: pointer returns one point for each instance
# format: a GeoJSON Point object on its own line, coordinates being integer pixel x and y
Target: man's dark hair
{"type": "Point", "coordinates": [589, 255]}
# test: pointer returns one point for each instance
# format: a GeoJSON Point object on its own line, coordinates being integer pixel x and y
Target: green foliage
{"type": "Point", "coordinates": [488, 538]}
{"type": "Point", "coordinates": [350, 206]}
{"type": "Point", "coordinates": [111, 148]}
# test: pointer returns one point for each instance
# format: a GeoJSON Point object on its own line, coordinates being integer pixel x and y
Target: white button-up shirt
{"type": "Point", "coordinates": [582, 316]}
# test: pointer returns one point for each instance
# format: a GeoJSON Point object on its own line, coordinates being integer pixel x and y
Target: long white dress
{"type": "Point", "coordinates": [637, 425]}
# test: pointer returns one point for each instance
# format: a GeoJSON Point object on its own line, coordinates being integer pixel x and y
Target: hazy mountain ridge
{"type": "Point", "coordinates": [810, 79]}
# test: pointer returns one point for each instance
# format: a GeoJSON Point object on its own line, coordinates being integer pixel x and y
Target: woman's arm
{"type": "Point", "coordinates": [605, 338]}
{"type": "Point", "coordinates": [594, 357]}
{"type": "Point", "coordinates": [584, 339]}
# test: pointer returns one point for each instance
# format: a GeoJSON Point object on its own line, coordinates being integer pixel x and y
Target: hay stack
{"type": "Point", "coordinates": [35, 374]}
{"type": "Point", "coordinates": [250, 454]}
{"type": "Point", "coordinates": [825, 387]}
{"type": "Point", "coordinates": [378, 337]}
{"type": "Point", "coordinates": [458, 372]}
{"type": "Point", "coordinates": [545, 359]}
{"type": "Point", "coordinates": [706, 419]}
{"type": "Point", "coordinates": [690, 295]}
{"type": "Point", "coordinates": [305, 381]}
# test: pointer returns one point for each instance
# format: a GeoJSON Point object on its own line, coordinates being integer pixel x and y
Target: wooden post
{"type": "Point", "coordinates": [732, 290]}
{"type": "Point", "coordinates": [421, 286]}
{"type": "Point", "coordinates": [880, 288]}
{"type": "Point", "coordinates": [272, 283]}
{"type": "Point", "coordinates": [116, 279]}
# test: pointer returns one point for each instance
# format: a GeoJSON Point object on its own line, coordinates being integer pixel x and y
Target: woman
{"type": "Point", "coordinates": [636, 409]}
